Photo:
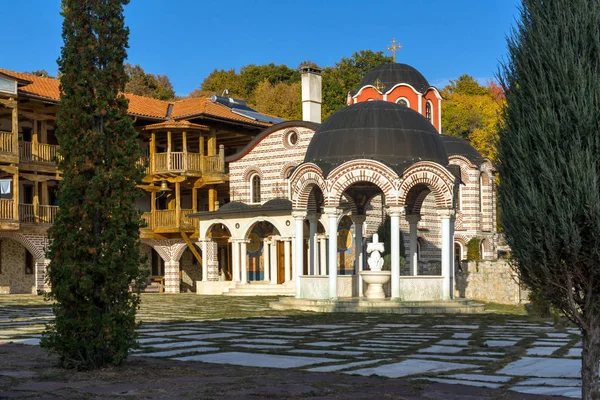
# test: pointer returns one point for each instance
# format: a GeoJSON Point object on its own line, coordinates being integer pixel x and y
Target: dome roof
{"type": "Point", "coordinates": [235, 206]}
{"type": "Point", "coordinates": [383, 131]}
{"type": "Point", "coordinates": [391, 74]}
{"type": "Point", "coordinates": [460, 147]}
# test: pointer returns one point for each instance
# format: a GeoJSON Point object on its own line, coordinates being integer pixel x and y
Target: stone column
{"type": "Point", "coordinates": [333, 214]}
{"type": "Point", "coordinates": [447, 219]}
{"type": "Point", "coordinates": [413, 258]}
{"type": "Point", "coordinates": [244, 260]}
{"type": "Point", "coordinates": [41, 266]}
{"type": "Point", "coordinates": [313, 220]}
{"type": "Point", "coordinates": [299, 216]}
{"type": "Point", "coordinates": [273, 259]}
{"type": "Point", "coordinates": [172, 277]}
{"type": "Point", "coordinates": [323, 255]}
{"type": "Point", "coordinates": [358, 221]}
{"type": "Point", "coordinates": [204, 244]}
{"type": "Point", "coordinates": [287, 259]}
{"type": "Point", "coordinates": [235, 262]}
{"type": "Point", "coordinates": [395, 212]}
{"type": "Point", "coordinates": [266, 260]}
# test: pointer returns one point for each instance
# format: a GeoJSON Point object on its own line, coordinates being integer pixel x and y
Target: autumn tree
{"type": "Point", "coordinates": [281, 99]}
{"type": "Point", "coordinates": [550, 165]}
{"type": "Point", "coordinates": [94, 242]}
{"type": "Point", "coordinates": [220, 80]}
{"type": "Point", "coordinates": [149, 85]}
{"type": "Point", "coordinates": [41, 73]}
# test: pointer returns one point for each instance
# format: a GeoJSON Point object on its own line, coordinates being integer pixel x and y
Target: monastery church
{"type": "Point", "coordinates": [240, 203]}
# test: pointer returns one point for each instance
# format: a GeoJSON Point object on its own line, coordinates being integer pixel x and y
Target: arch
{"type": "Point", "coordinates": [255, 188]}
{"type": "Point", "coordinates": [429, 111]}
{"type": "Point", "coordinates": [403, 84]}
{"type": "Point", "coordinates": [287, 169]}
{"type": "Point", "coordinates": [219, 221]}
{"type": "Point", "coordinates": [403, 99]}
{"type": "Point", "coordinates": [362, 170]}
{"type": "Point", "coordinates": [36, 249]}
{"type": "Point", "coordinates": [168, 250]}
{"type": "Point", "coordinates": [302, 181]}
{"type": "Point", "coordinates": [461, 161]}
{"type": "Point", "coordinates": [250, 224]}
{"type": "Point", "coordinates": [461, 248]}
{"type": "Point", "coordinates": [248, 172]}
{"type": "Point", "coordinates": [437, 178]}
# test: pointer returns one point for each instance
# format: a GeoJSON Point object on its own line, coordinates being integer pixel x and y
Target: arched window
{"type": "Point", "coordinates": [420, 245]}
{"type": "Point", "coordinates": [481, 190]}
{"type": "Point", "coordinates": [429, 111]}
{"type": "Point", "coordinates": [255, 188]}
{"type": "Point", "coordinates": [403, 102]}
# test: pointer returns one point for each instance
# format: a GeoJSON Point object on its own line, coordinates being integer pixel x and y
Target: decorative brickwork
{"type": "Point", "coordinates": [302, 182]}
{"type": "Point", "coordinates": [435, 177]}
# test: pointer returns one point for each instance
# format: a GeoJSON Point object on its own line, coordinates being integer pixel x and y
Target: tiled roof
{"type": "Point", "coordinates": [172, 124]}
{"type": "Point", "coordinates": [48, 88]}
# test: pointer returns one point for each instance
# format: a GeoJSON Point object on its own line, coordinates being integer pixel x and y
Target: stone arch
{"type": "Point", "coordinates": [227, 224]}
{"type": "Point", "coordinates": [168, 250]}
{"type": "Point", "coordinates": [362, 170]}
{"type": "Point", "coordinates": [36, 245]}
{"type": "Point", "coordinates": [248, 227]}
{"type": "Point", "coordinates": [248, 172]}
{"type": "Point", "coordinates": [437, 179]}
{"type": "Point", "coordinates": [302, 181]}
{"type": "Point", "coordinates": [286, 169]}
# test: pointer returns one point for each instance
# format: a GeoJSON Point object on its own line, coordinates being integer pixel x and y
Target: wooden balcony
{"type": "Point", "coordinates": [184, 162]}
{"type": "Point", "coordinates": [30, 214]}
{"type": "Point", "coordinates": [37, 152]}
{"type": "Point", "coordinates": [166, 220]}
{"type": "Point", "coordinates": [6, 209]}
{"type": "Point", "coordinates": [6, 142]}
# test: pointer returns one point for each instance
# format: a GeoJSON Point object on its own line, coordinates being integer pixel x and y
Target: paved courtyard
{"type": "Point", "coordinates": [508, 352]}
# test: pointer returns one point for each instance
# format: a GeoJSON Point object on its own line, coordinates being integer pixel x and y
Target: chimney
{"type": "Point", "coordinates": [311, 93]}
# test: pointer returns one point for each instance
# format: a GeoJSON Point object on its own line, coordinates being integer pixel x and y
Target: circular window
{"type": "Point", "coordinates": [402, 102]}
{"type": "Point", "coordinates": [290, 139]}
{"type": "Point", "coordinates": [293, 138]}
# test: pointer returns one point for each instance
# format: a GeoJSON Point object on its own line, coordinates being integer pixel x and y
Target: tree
{"type": "Point", "coordinates": [252, 75]}
{"type": "Point", "coordinates": [550, 167]}
{"type": "Point", "coordinates": [41, 73]}
{"type": "Point", "coordinates": [149, 85]}
{"type": "Point", "coordinates": [94, 243]}
{"type": "Point", "coordinates": [472, 111]}
{"type": "Point", "coordinates": [220, 80]}
{"type": "Point", "coordinates": [281, 99]}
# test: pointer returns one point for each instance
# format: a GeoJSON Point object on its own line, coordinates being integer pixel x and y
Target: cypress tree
{"type": "Point", "coordinates": [549, 152]}
{"type": "Point", "coordinates": [94, 243]}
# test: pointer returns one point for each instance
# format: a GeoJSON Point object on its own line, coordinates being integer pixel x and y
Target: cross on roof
{"type": "Point", "coordinates": [395, 45]}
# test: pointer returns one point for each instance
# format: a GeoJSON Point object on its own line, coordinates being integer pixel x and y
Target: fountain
{"type": "Point", "coordinates": [375, 277]}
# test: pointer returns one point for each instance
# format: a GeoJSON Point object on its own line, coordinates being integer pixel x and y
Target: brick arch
{"type": "Point", "coordinates": [36, 245]}
{"type": "Point", "coordinates": [248, 172]}
{"type": "Point", "coordinates": [219, 221]}
{"type": "Point", "coordinates": [362, 170]}
{"type": "Point", "coordinates": [287, 167]}
{"type": "Point", "coordinates": [437, 178]}
{"type": "Point", "coordinates": [302, 181]}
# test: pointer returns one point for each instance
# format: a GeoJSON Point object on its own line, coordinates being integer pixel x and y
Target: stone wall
{"type": "Point", "coordinates": [191, 271]}
{"type": "Point", "coordinates": [13, 277]}
{"type": "Point", "coordinates": [492, 281]}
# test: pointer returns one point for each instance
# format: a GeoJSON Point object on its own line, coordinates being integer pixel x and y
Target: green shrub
{"type": "Point", "coordinates": [473, 253]}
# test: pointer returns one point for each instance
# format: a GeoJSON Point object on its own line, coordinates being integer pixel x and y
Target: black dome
{"type": "Point", "coordinates": [460, 147]}
{"type": "Point", "coordinates": [378, 130]}
{"type": "Point", "coordinates": [391, 74]}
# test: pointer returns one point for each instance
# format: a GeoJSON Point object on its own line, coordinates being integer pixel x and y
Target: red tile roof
{"type": "Point", "coordinates": [48, 88]}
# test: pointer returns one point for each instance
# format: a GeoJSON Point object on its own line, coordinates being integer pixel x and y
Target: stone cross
{"type": "Point", "coordinates": [395, 45]}
{"type": "Point", "coordinates": [375, 248]}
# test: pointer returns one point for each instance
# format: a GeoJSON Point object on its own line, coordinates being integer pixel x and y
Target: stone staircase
{"type": "Point", "coordinates": [458, 306]}
{"type": "Point", "coordinates": [261, 288]}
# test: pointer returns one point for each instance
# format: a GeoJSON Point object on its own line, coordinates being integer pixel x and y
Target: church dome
{"type": "Point", "coordinates": [383, 131]}
{"type": "Point", "coordinates": [386, 76]}
{"type": "Point", "coordinates": [460, 147]}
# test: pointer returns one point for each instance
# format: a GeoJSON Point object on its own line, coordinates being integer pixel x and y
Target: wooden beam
{"type": "Point", "coordinates": [37, 178]}
{"type": "Point", "coordinates": [15, 130]}
{"type": "Point", "coordinates": [16, 196]}
{"type": "Point", "coordinates": [194, 199]}
{"type": "Point", "coordinates": [192, 248]}
{"type": "Point", "coordinates": [152, 151]}
{"type": "Point", "coordinates": [177, 204]}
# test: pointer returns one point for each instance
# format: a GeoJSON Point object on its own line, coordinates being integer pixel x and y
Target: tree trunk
{"type": "Point", "coordinates": [589, 363]}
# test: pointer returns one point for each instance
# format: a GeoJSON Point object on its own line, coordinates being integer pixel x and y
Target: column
{"type": "Point", "coordinates": [332, 215]}
{"type": "Point", "coordinates": [358, 221]}
{"type": "Point", "coordinates": [413, 257]}
{"type": "Point", "coordinates": [395, 212]}
{"type": "Point", "coordinates": [447, 219]}
{"type": "Point", "coordinates": [204, 259]}
{"type": "Point", "coordinates": [41, 266]}
{"type": "Point", "coordinates": [235, 262]}
{"type": "Point", "coordinates": [16, 196]}
{"type": "Point", "coordinates": [267, 260]}
{"type": "Point", "coordinates": [172, 276]}
{"type": "Point", "coordinates": [244, 260]}
{"type": "Point", "coordinates": [177, 204]}
{"type": "Point", "coordinates": [299, 216]}
{"type": "Point", "coordinates": [212, 197]}
{"type": "Point", "coordinates": [323, 255]}
{"type": "Point", "coordinates": [273, 260]}
{"type": "Point", "coordinates": [287, 266]}
{"type": "Point", "coordinates": [313, 220]}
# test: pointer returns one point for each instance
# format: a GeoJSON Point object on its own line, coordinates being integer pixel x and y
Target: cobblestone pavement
{"type": "Point", "coordinates": [508, 353]}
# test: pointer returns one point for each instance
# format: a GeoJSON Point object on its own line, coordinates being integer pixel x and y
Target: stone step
{"type": "Point", "coordinates": [261, 289]}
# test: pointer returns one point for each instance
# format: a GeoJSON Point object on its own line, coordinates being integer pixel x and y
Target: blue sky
{"type": "Point", "coordinates": [187, 39]}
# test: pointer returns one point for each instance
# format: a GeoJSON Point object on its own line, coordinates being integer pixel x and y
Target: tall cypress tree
{"type": "Point", "coordinates": [550, 162]}
{"type": "Point", "coordinates": [94, 248]}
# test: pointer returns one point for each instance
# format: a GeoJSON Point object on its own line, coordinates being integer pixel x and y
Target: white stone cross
{"type": "Point", "coordinates": [375, 248]}
{"type": "Point", "coordinates": [375, 245]}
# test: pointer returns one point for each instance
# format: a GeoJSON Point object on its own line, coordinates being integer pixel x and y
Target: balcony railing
{"type": "Point", "coordinates": [47, 214]}
{"type": "Point", "coordinates": [167, 219]}
{"type": "Point", "coordinates": [40, 152]}
{"type": "Point", "coordinates": [43, 215]}
{"type": "Point", "coordinates": [6, 209]}
{"type": "Point", "coordinates": [180, 161]}
{"type": "Point", "coordinates": [6, 142]}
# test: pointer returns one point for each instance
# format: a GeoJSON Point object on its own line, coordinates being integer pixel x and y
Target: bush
{"type": "Point", "coordinates": [473, 253]}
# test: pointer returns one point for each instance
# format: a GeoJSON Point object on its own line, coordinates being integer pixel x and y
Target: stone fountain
{"type": "Point", "coordinates": [375, 277]}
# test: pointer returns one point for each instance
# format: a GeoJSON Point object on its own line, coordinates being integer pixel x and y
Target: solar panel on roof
{"type": "Point", "coordinates": [256, 116]}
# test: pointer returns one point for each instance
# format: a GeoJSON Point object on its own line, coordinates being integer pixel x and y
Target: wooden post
{"type": "Point", "coordinates": [15, 128]}
{"type": "Point", "coordinates": [44, 194]}
{"type": "Point", "coordinates": [168, 150]}
{"type": "Point", "coordinates": [16, 196]}
{"type": "Point", "coordinates": [177, 204]}
{"type": "Point", "coordinates": [184, 137]}
{"type": "Point", "coordinates": [201, 145]}
{"type": "Point", "coordinates": [36, 201]}
{"type": "Point", "coordinates": [212, 144]}
{"type": "Point", "coordinates": [212, 196]}
{"type": "Point", "coordinates": [152, 208]}
{"type": "Point", "coordinates": [152, 151]}
{"type": "Point", "coordinates": [221, 158]}
{"type": "Point", "coordinates": [194, 199]}
{"type": "Point", "coordinates": [34, 140]}
{"type": "Point", "coordinates": [44, 132]}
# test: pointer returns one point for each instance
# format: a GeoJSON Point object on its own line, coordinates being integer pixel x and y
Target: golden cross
{"type": "Point", "coordinates": [395, 46]}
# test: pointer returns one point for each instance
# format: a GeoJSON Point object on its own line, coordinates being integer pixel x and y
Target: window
{"type": "Point", "coordinates": [429, 111]}
{"type": "Point", "coordinates": [403, 102]}
{"type": "Point", "coordinates": [29, 263]}
{"type": "Point", "coordinates": [255, 189]}
{"type": "Point", "coordinates": [481, 190]}
{"type": "Point", "coordinates": [293, 138]}
{"type": "Point", "coordinates": [420, 245]}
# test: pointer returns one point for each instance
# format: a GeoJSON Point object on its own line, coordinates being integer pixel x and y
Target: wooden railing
{"type": "Point", "coordinates": [160, 162]}
{"type": "Point", "coordinates": [185, 221]}
{"type": "Point", "coordinates": [212, 164]}
{"type": "Point", "coordinates": [144, 162]}
{"type": "Point", "coordinates": [6, 142]}
{"type": "Point", "coordinates": [166, 219]}
{"type": "Point", "coordinates": [41, 152]}
{"type": "Point", "coordinates": [27, 213]}
{"type": "Point", "coordinates": [47, 214]}
{"type": "Point", "coordinates": [183, 162]}
{"type": "Point", "coordinates": [194, 162]}
{"type": "Point", "coordinates": [6, 209]}
{"type": "Point", "coordinates": [146, 220]}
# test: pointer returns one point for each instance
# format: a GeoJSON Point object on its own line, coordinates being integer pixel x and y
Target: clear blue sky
{"type": "Point", "coordinates": [187, 39]}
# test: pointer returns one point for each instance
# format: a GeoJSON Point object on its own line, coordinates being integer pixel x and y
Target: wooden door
{"type": "Point", "coordinates": [280, 262]}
